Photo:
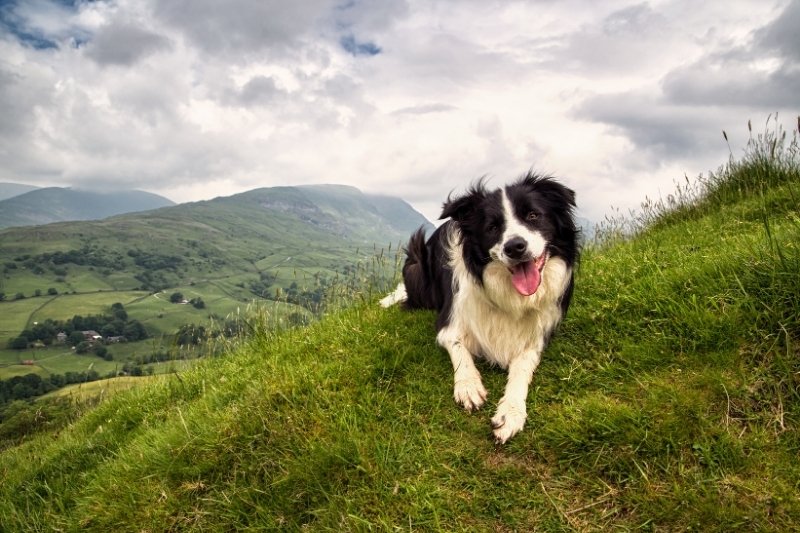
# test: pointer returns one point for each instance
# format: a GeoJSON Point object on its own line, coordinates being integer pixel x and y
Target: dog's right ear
{"type": "Point", "coordinates": [461, 207]}
{"type": "Point", "coordinates": [458, 209]}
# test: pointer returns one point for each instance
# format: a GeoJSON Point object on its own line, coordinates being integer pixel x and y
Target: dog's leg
{"type": "Point", "coordinates": [511, 413]}
{"type": "Point", "coordinates": [399, 295]}
{"type": "Point", "coordinates": [468, 389]}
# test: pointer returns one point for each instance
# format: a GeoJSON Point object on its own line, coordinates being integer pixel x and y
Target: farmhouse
{"type": "Point", "coordinates": [92, 336]}
{"type": "Point", "coordinates": [61, 337]}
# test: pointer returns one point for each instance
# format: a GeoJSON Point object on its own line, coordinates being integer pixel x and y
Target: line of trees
{"type": "Point", "coordinates": [89, 255]}
{"type": "Point", "coordinates": [115, 324]}
{"type": "Point", "coordinates": [32, 385]}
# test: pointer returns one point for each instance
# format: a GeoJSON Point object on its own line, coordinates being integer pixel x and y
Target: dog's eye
{"type": "Point", "coordinates": [532, 216]}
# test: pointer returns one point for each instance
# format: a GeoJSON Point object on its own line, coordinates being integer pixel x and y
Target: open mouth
{"type": "Point", "coordinates": [527, 275]}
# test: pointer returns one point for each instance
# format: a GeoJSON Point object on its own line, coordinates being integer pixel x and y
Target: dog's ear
{"type": "Point", "coordinates": [462, 207]}
{"type": "Point", "coordinates": [459, 208]}
{"type": "Point", "coordinates": [550, 189]}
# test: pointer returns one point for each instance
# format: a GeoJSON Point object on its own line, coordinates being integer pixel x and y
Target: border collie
{"type": "Point", "coordinates": [500, 275]}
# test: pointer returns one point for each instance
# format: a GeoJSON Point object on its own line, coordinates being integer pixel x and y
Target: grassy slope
{"type": "Point", "coordinates": [669, 400]}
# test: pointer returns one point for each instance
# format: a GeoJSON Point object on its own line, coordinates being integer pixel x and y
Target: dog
{"type": "Point", "coordinates": [499, 273]}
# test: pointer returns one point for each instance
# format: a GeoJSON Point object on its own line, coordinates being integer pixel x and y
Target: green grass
{"type": "Point", "coordinates": [668, 401]}
{"type": "Point", "coordinates": [14, 315]}
{"type": "Point", "coordinates": [95, 303]}
{"type": "Point", "coordinates": [99, 389]}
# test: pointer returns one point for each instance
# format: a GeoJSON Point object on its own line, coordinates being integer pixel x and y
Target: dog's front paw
{"type": "Point", "coordinates": [508, 421]}
{"type": "Point", "coordinates": [470, 393]}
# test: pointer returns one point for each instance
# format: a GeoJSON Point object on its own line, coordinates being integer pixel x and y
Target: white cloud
{"type": "Point", "coordinates": [196, 99]}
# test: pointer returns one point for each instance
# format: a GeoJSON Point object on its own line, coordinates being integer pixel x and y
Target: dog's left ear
{"type": "Point", "coordinates": [550, 189]}
{"type": "Point", "coordinates": [462, 207]}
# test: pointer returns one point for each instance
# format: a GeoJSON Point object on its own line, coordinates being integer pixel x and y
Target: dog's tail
{"type": "Point", "coordinates": [416, 257]}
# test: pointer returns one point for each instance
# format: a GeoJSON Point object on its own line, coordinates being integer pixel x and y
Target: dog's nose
{"type": "Point", "coordinates": [515, 247]}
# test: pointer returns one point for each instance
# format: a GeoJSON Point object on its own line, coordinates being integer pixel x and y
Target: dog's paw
{"type": "Point", "coordinates": [508, 421]}
{"type": "Point", "coordinates": [470, 393]}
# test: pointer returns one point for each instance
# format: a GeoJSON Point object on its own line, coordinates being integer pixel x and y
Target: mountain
{"type": "Point", "coordinates": [339, 209]}
{"type": "Point", "coordinates": [57, 204]}
{"type": "Point", "coordinates": [9, 190]}
{"type": "Point", "coordinates": [241, 244]}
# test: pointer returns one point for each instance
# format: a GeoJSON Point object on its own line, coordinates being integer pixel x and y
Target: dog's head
{"type": "Point", "coordinates": [520, 226]}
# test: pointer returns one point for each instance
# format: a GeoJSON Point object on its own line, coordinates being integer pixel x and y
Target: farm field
{"type": "Point", "coordinates": [66, 306]}
{"type": "Point", "coordinates": [101, 388]}
{"type": "Point", "coordinates": [60, 359]}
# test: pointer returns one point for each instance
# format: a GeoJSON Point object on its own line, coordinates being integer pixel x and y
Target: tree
{"type": "Point", "coordinates": [18, 343]}
{"type": "Point", "coordinates": [75, 338]}
{"type": "Point", "coordinates": [43, 331]}
{"type": "Point", "coordinates": [102, 351]}
{"type": "Point", "coordinates": [134, 331]}
{"type": "Point", "coordinates": [176, 297]}
{"type": "Point", "coordinates": [52, 291]}
{"type": "Point", "coordinates": [190, 334]}
{"type": "Point", "coordinates": [119, 312]}
{"type": "Point", "coordinates": [82, 347]}
{"type": "Point", "coordinates": [113, 328]}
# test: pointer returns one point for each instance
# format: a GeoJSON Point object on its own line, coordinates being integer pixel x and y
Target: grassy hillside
{"type": "Point", "coordinates": [669, 400]}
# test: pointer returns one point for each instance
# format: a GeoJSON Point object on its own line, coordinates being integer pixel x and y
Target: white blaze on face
{"type": "Point", "coordinates": [525, 271]}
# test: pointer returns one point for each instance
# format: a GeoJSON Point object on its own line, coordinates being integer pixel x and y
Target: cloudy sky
{"type": "Point", "coordinates": [194, 99]}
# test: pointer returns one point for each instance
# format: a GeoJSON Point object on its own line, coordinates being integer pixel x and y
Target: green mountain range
{"type": "Point", "coordinates": [227, 251]}
{"type": "Point", "coordinates": [57, 204]}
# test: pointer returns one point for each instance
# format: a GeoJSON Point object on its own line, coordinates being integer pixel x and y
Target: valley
{"type": "Point", "coordinates": [282, 249]}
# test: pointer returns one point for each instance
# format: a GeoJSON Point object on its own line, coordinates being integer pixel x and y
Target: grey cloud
{"type": "Point", "coordinates": [732, 83]}
{"type": "Point", "coordinates": [242, 27]}
{"type": "Point", "coordinates": [370, 16]}
{"type": "Point", "coordinates": [124, 44]}
{"type": "Point", "coordinates": [259, 90]}
{"type": "Point", "coordinates": [21, 93]}
{"type": "Point", "coordinates": [663, 129]}
{"type": "Point", "coordinates": [782, 34]}
{"type": "Point", "coordinates": [622, 42]}
{"type": "Point", "coordinates": [695, 100]}
{"type": "Point", "coordinates": [636, 21]}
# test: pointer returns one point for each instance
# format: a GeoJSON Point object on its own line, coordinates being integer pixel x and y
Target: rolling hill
{"type": "Point", "coordinates": [229, 250]}
{"type": "Point", "coordinates": [57, 204]}
{"type": "Point", "coordinates": [669, 400]}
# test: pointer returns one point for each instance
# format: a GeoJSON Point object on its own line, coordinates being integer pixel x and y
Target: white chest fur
{"type": "Point", "coordinates": [494, 320]}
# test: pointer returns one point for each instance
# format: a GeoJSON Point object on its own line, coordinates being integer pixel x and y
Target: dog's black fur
{"type": "Point", "coordinates": [478, 215]}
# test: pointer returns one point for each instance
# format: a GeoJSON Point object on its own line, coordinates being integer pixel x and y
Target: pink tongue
{"type": "Point", "coordinates": [526, 278]}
